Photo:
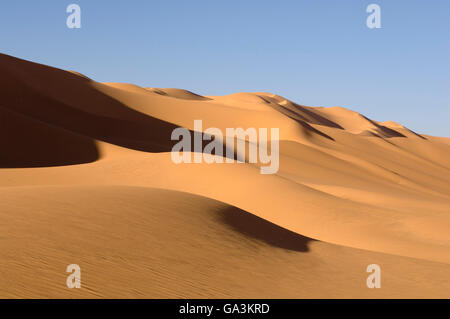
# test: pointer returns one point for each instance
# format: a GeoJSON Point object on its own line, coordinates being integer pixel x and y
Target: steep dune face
{"type": "Point", "coordinates": [356, 123]}
{"type": "Point", "coordinates": [178, 94]}
{"type": "Point", "coordinates": [350, 191]}
{"type": "Point", "coordinates": [36, 143]}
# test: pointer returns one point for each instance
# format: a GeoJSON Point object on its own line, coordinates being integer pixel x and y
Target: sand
{"type": "Point", "coordinates": [86, 178]}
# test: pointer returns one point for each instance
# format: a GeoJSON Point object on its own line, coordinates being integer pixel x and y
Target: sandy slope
{"type": "Point", "coordinates": [86, 177]}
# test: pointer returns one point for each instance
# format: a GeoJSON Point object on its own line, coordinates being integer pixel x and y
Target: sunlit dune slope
{"type": "Point", "coordinates": [86, 177]}
{"type": "Point", "coordinates": [134, 242]}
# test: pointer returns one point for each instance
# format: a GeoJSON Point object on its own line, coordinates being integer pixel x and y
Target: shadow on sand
{"type": "Point", "coordinates": [262, 230]}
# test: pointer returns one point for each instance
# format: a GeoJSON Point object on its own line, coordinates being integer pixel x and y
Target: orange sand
{"type": "Point", "coordinates": [86, 178]}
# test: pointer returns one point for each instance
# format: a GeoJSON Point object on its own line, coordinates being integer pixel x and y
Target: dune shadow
{"type": "Point", "coordinates": [303, 121]}
{"type": "Point", "coordinates": [25, 142]}
{"type": "Point", "coordinates": [316, 118]}
{"type": "Point", "coordinates": [50, 130]}
{"type": "Point", "coordinates": [262, 230]}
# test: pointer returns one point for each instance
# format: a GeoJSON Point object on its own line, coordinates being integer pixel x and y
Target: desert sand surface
{"type": "Point", "coordinates": [86, 178]}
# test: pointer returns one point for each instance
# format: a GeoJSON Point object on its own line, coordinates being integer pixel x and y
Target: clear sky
{"type": "Point", "coordinates": [315, 52]}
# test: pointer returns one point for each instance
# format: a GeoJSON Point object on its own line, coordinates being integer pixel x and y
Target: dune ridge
{"type": "Point", "coordinates": [79, 155]}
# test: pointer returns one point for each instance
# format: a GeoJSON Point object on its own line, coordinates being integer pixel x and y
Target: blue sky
{"type": "Point", "coordinates": [315, 52]}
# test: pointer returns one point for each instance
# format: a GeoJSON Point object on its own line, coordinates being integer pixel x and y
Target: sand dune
{"type": "Point", "coordinates": [86, 177]}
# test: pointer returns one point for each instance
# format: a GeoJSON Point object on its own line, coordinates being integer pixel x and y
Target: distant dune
{"type": "Point", "coordinates": [86, 178]}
